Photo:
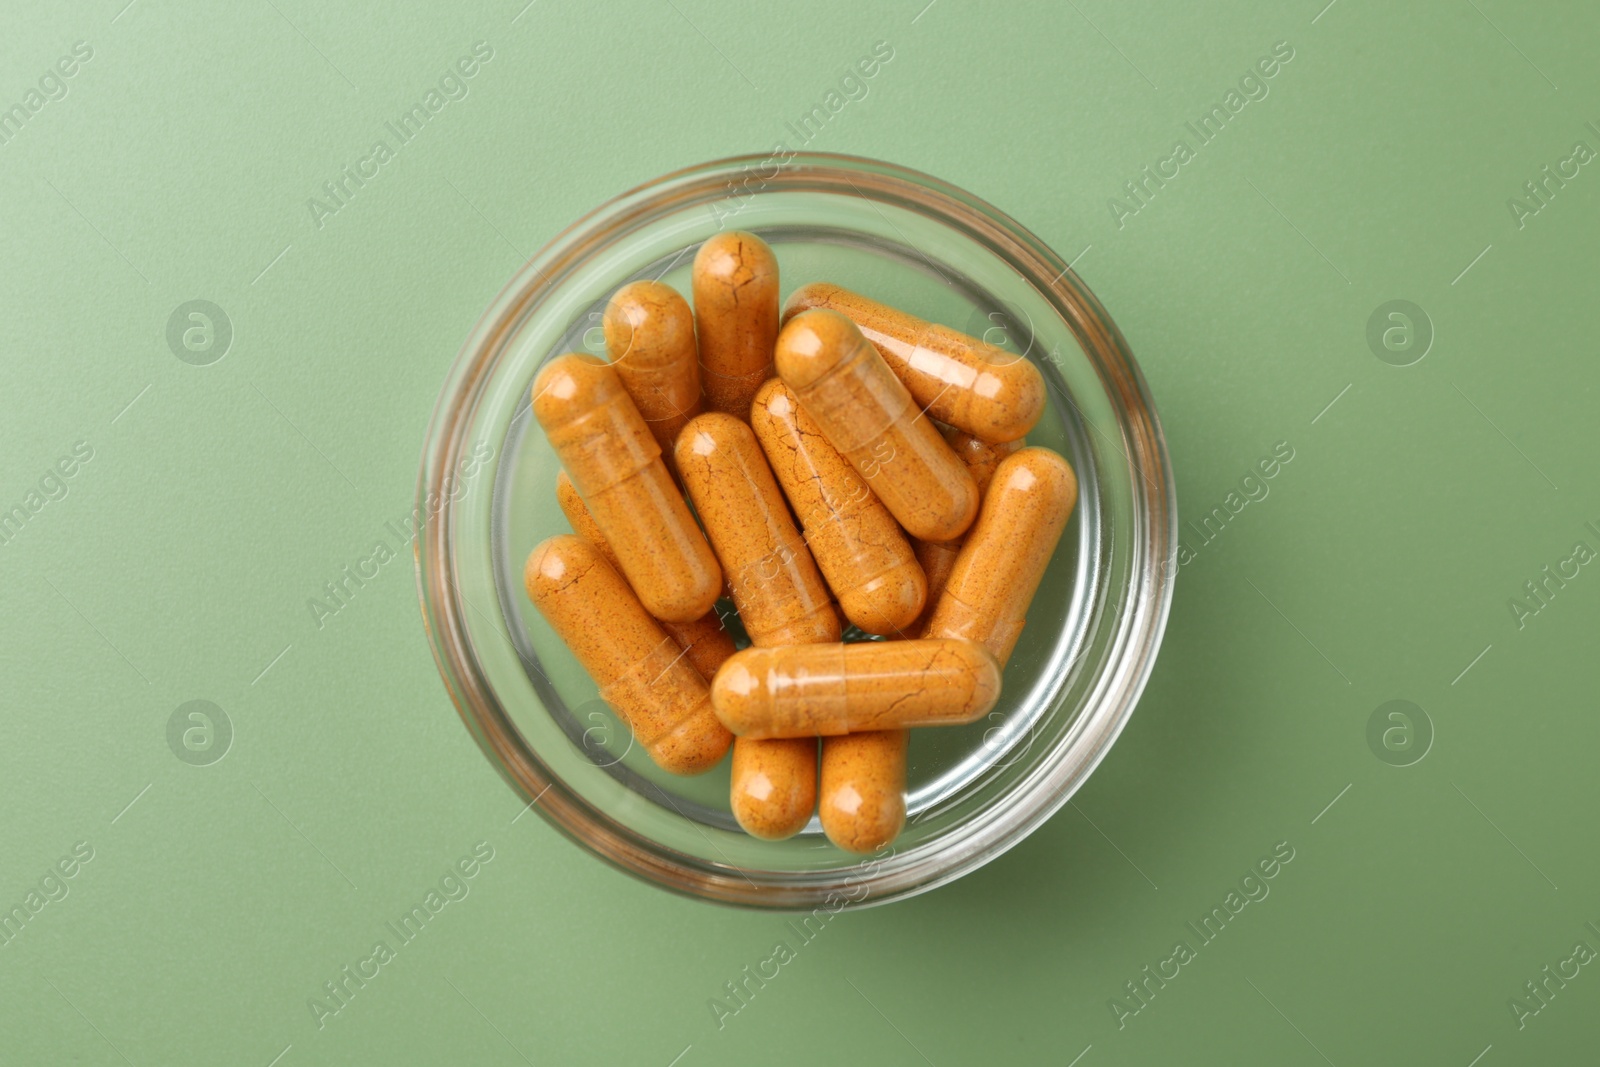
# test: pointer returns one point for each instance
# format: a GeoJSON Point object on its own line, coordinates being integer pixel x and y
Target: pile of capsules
{"type": "Point", "coordinates": [811, 452]}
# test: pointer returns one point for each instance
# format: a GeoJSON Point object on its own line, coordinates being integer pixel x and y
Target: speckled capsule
{"type": "Point", "coordinates": [861, 798]}
{"type": "Point", "coordinates": [866, 413]}
{"type": "Point", "coordinates": [779, 593]}
{"type": "Point", "coordinates": [641, 671]}
{"type": "Point", "coordinates": [866, 559]}
{"type": "Point", "coordinates": [824, 690]}
{"type": "Point", "coordinates": [705, 641]}
{"type": "Point", "coordinates": [649, 332]}
{"type": "Point", "coordinates": [991, 393]}
{"type": "Point", "coordinates": [615, 463]}
{"type": "Point", "coordinates": [735, 286]}
{"type": "Point", "coordinates": [999, 568]}
{"type": "Point", "coordinates": [774, 785]}
{"type": "Point", "coordinates": [938, 558]}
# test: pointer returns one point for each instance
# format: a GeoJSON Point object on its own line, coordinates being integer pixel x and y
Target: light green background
{"type": "Point", "coordinates": [179, 563]}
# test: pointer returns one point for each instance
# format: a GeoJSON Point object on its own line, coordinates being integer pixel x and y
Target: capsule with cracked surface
{"type": "Point", "coordinates": [999, 568]}
{"type": "Point", "coordinates": [824, 690]}
{"type": "Point", "coordinates": [991, 393]}
{"type": "Point", "coordinates": [861, 550]}
{"type": "Point", "coordinates": [862, 794]}
{"type": "Point", "coordinates": [735, 286]}
{"type": "Point", "coordinates": [779, 593]}
{"type": "Point", "coordinates": [641, 671]}
{"type": "Point", "coordinates": [649, 332]}
{"type": "Point", "coordinates": [866, 413]}
{"type": "Point", "coordinates": [705, 641]}
{"type": "Point", "coordinates": [774, 785]}
{"type": "Point", "coordinates": [616, 465]}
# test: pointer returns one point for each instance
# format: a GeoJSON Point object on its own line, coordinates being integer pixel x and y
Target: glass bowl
{"type": "Point", "coordinates": [486, 496]}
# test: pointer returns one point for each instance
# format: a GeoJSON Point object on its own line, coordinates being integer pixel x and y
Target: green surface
{"type": "Point", "coordinates": [1380, 565]}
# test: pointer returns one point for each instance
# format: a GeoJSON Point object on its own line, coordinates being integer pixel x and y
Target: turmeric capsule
{"type": "Point", "coordinates": [735, 285]}
{"type": "Point", "coordinates": [864, 556]}
{"type": "Point", "coordinates": [865, 412]}
{"type": "Point", "coordinates": [780, 596]}
{"type": "Point", "coordinates": [641, 672]}
{"type": "Point", "coordinates": [862, 796]}
{"type": "Point", "coordinates": [822, 690]}
{"type": "Point", "coordinates": [938, 558]}
{"type": "Point", "coordinates": [999, 569]}
{"type": "Point", "coordinates": [705, 641]}
{"type": "Point", "coordinates": [650, 336]}
{"type": "Point", "coordinates": [616, 466]}
{"type": "Point", "coordinates": [991, 393]}
{"type": "Point", "coordinates": [774, 785]}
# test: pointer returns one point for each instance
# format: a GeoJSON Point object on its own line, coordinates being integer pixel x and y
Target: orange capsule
{"type": "Point", "coordinates": [991, 393]}
{"type": "Point", "coordinates": [735, 284]}
{"type": "Point", "coordinates": [938, 558]}
{"type": "Point", "coordinates": [616, 466]}
{"type": "Point", "coordinates": [999, 569]}
{"type": "Point", "coordinates": [822, 690]}
{"type": "Point", "coordinates": [641, 672]}
{"type": "Point", "coordinates": [863, 554]}
{"type": "Point", "coordinates": [866, 413]}
{"type": "Point", "coordinates": [774, 785]}
{"type": "Point", "coordinates": [650, 336]}
{"type": "Point", "coordinates": [862, 795]}
{"type": "Point", "coordinates": [780, 596]}
{"type": "Point", "coordinates": [705, 640]}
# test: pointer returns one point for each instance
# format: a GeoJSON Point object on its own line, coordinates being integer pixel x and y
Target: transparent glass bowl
{"type": "Point", "coordinates": [486, 496]}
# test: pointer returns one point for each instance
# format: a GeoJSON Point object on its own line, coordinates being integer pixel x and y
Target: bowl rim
{"type": "Point", "coordinates": [1141, 618]}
